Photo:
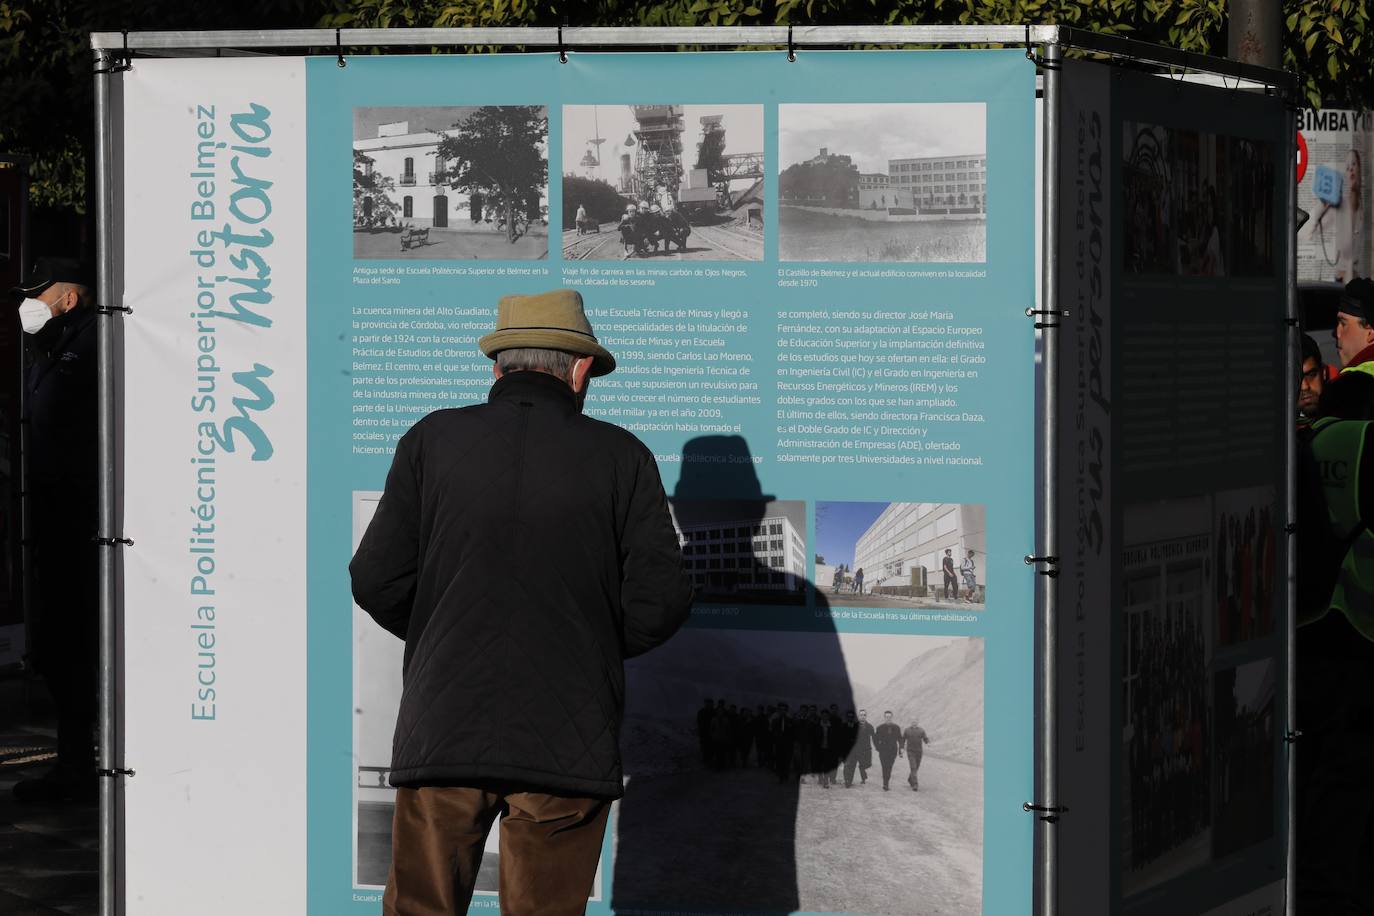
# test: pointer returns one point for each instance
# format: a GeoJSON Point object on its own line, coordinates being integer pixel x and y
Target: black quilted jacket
{"type": "Point", "coordinates": [523, 551]}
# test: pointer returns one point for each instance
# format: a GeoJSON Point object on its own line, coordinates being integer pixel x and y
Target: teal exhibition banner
{"type": "Point", "coordinates": [817, 302]}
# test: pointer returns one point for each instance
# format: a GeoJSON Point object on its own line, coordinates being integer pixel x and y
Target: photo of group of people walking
{"type": "Point", "coordinates": [812, 742]}
{"type": "Point", "coordinates": [762, 751]}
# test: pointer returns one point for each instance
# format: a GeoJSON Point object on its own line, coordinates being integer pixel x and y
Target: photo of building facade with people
{"type": "Point", "coordinates": [451, 182]}
{"type": "Point", "coordinates": [902, 554]}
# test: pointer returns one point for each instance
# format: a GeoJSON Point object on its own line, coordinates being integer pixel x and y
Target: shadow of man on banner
{"type": "Point", "coordinates": [736, 718]}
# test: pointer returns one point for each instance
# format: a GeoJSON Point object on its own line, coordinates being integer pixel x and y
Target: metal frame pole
{"type": "Point", "coordinates": [109, 788]}
{"type": "Point", "coordinates": [1293, 365]}
{"type": "Point", "coordinates": [1046, 791]}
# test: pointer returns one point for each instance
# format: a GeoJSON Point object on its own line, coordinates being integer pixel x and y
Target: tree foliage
{"type": "Point", "coordinates": [834, 183]}
{"type": "Point", "coordinates": [46, 92]}
{"type": "Point", "coordinates": [603, 202]}
{"type": "Point", "coordinates": [45, 62]}
{"type": "Point", "coordinates": [372, 205]}
{"type": "Point", "coordinates": [498, 152]}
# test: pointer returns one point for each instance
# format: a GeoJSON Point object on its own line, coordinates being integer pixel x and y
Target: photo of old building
{"type": "Point", "coordinates": [883, 182]}
{"type": "Point", "coordinates": [744, 551]}
{"type": "Point", "coordinates": [450, 182]}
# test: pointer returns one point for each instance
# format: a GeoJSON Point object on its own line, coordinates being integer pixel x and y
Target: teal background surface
{"type": "Point", "coordinates": [1003, 80]}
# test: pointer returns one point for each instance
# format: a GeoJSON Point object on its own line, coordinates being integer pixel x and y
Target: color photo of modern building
{"type": "Point", "coordinates": [909, 535]}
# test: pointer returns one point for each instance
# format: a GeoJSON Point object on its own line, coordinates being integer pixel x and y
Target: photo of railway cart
{"type": "Point", "coordinates": [683, 182]}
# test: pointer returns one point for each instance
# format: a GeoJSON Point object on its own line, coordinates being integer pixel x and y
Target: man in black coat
{"type": "Point", "coordinates": [57, 314]}
{"type": "Point", "coordinates": [523, 551]}
{"type": "Point", "coordinates": [887, 738]}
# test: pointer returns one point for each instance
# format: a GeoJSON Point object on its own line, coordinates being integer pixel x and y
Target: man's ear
{"type": "Point", "coordinates": [495, 370]}
{"type": "Point", "coordinates": [580, 372]}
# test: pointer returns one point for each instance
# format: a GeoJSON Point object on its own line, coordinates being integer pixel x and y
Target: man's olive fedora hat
{"type": "Point", "coordinates": [548, 321]}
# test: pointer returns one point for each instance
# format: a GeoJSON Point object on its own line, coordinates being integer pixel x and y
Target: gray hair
{"type": "Point", "coordinates": [535, 359]}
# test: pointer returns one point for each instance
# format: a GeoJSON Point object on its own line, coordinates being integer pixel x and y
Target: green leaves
{"type": "Point", "coordinates": [45, 99]}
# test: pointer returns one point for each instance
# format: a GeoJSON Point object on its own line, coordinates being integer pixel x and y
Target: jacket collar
{"type": "Point", "coordinates": [537, 387]}
{"type": "Point", "coordinates": [1364, 356]}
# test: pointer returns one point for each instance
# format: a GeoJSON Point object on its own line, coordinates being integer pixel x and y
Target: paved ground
{"type": "Point", "coordinates": [48, 853]}
{"type": "Point", "coordinates": [455, 244]}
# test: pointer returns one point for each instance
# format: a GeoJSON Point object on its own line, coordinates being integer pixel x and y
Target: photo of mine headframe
{"type": "Point", "coordinates": [668, 178]}
{"type": "Point", "coordinates": [720, 168]}
{"type": "Point", "coordinates": [657, 139]}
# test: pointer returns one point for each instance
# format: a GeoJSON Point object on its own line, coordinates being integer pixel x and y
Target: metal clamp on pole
{"type": "Point", "coordinates": [338, 47]}
{"type": "Point", "coordinates": [112, 542]}
{"type": "Point", "coordinates": [791, 48]}
{"type": "Point", "coordinates": [1048, 813]}
{"type": "Point", "coordinates": [119, 60]}
{"type": "Point", "coordinates": [1058, 313]}
{"type": "Point", "coordinates": [1052, 564]}
{"type": "Point", "coordinates": [1036, 59]}
{"type": "Point", "coordinates": [112, 309]}
{"type": "Point", "coordinates": [1292, 737]}
{"type": "Point", "coordinates": [562, 51]}
{"type": "Point", "coordinates": [111, 774]}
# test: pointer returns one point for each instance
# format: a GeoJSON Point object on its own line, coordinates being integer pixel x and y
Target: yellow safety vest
{"type": "Point", "coordinates": [1338, 449]}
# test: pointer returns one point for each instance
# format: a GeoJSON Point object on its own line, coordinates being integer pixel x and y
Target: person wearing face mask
{"type": "Point", "coordinates": [523, 551]}
{"type": "Point", "coordinates": [57, 315]}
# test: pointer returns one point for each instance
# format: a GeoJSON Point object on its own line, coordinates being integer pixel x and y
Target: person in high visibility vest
{"type": "Point", "coordinates": [1354, 332]}
{"type": "Point", "coordinates": [1338, 458]}
{"type": "Point", "coordinates": [1335, 642]}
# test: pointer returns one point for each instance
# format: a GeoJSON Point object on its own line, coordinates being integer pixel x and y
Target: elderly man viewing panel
{"type": "Point", "coordinates": [523, 552]}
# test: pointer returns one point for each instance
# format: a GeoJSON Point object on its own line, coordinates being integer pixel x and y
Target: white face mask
{"type": "Point", "coordinates": [33, 314]}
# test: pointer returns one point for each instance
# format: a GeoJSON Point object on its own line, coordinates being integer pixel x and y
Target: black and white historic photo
{"type": "Point", "coordinates": [665, 181]}
{"type": "Point", "coordinates": [1252, 206]}
{"type": "Point", "coordinates": [1246, 546]}
{"type": "Point", "coordinates": [809, 771]}
{"type": "Point", "coordinates": [744, 551]}
{"type": "Point", "coordinates": [883, 182]}
{"type": "Point", "coordinates": [1146, 185]}
{"type": "Point", "coordinates": [1246, 742]}
{"type": "Point", "coordinates": [1175, 187]}
{"type": "Point", "coordinates": [451, 183]}
{"type": "Point", "coordinates": [1167, 725]}
{"type": "Point", "coordinates": [916, 555]}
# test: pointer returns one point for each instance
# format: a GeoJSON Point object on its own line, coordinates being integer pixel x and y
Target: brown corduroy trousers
{"type": "Point", "coordinates": [549, 849]}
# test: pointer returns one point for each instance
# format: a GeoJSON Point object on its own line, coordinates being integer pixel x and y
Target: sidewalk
{"type": "Point", "coordinates": [49, 854]}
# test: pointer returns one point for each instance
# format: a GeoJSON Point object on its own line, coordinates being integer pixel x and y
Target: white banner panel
{"type": "Point", "coordinates": [214, 470]}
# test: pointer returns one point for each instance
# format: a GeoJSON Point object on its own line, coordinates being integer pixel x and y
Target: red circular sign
{"type": "Point", "coordinates": [1302, 156]}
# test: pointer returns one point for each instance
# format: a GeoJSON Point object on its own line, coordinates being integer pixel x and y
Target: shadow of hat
{"type": "Point", "coordinates": [718, 467]}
